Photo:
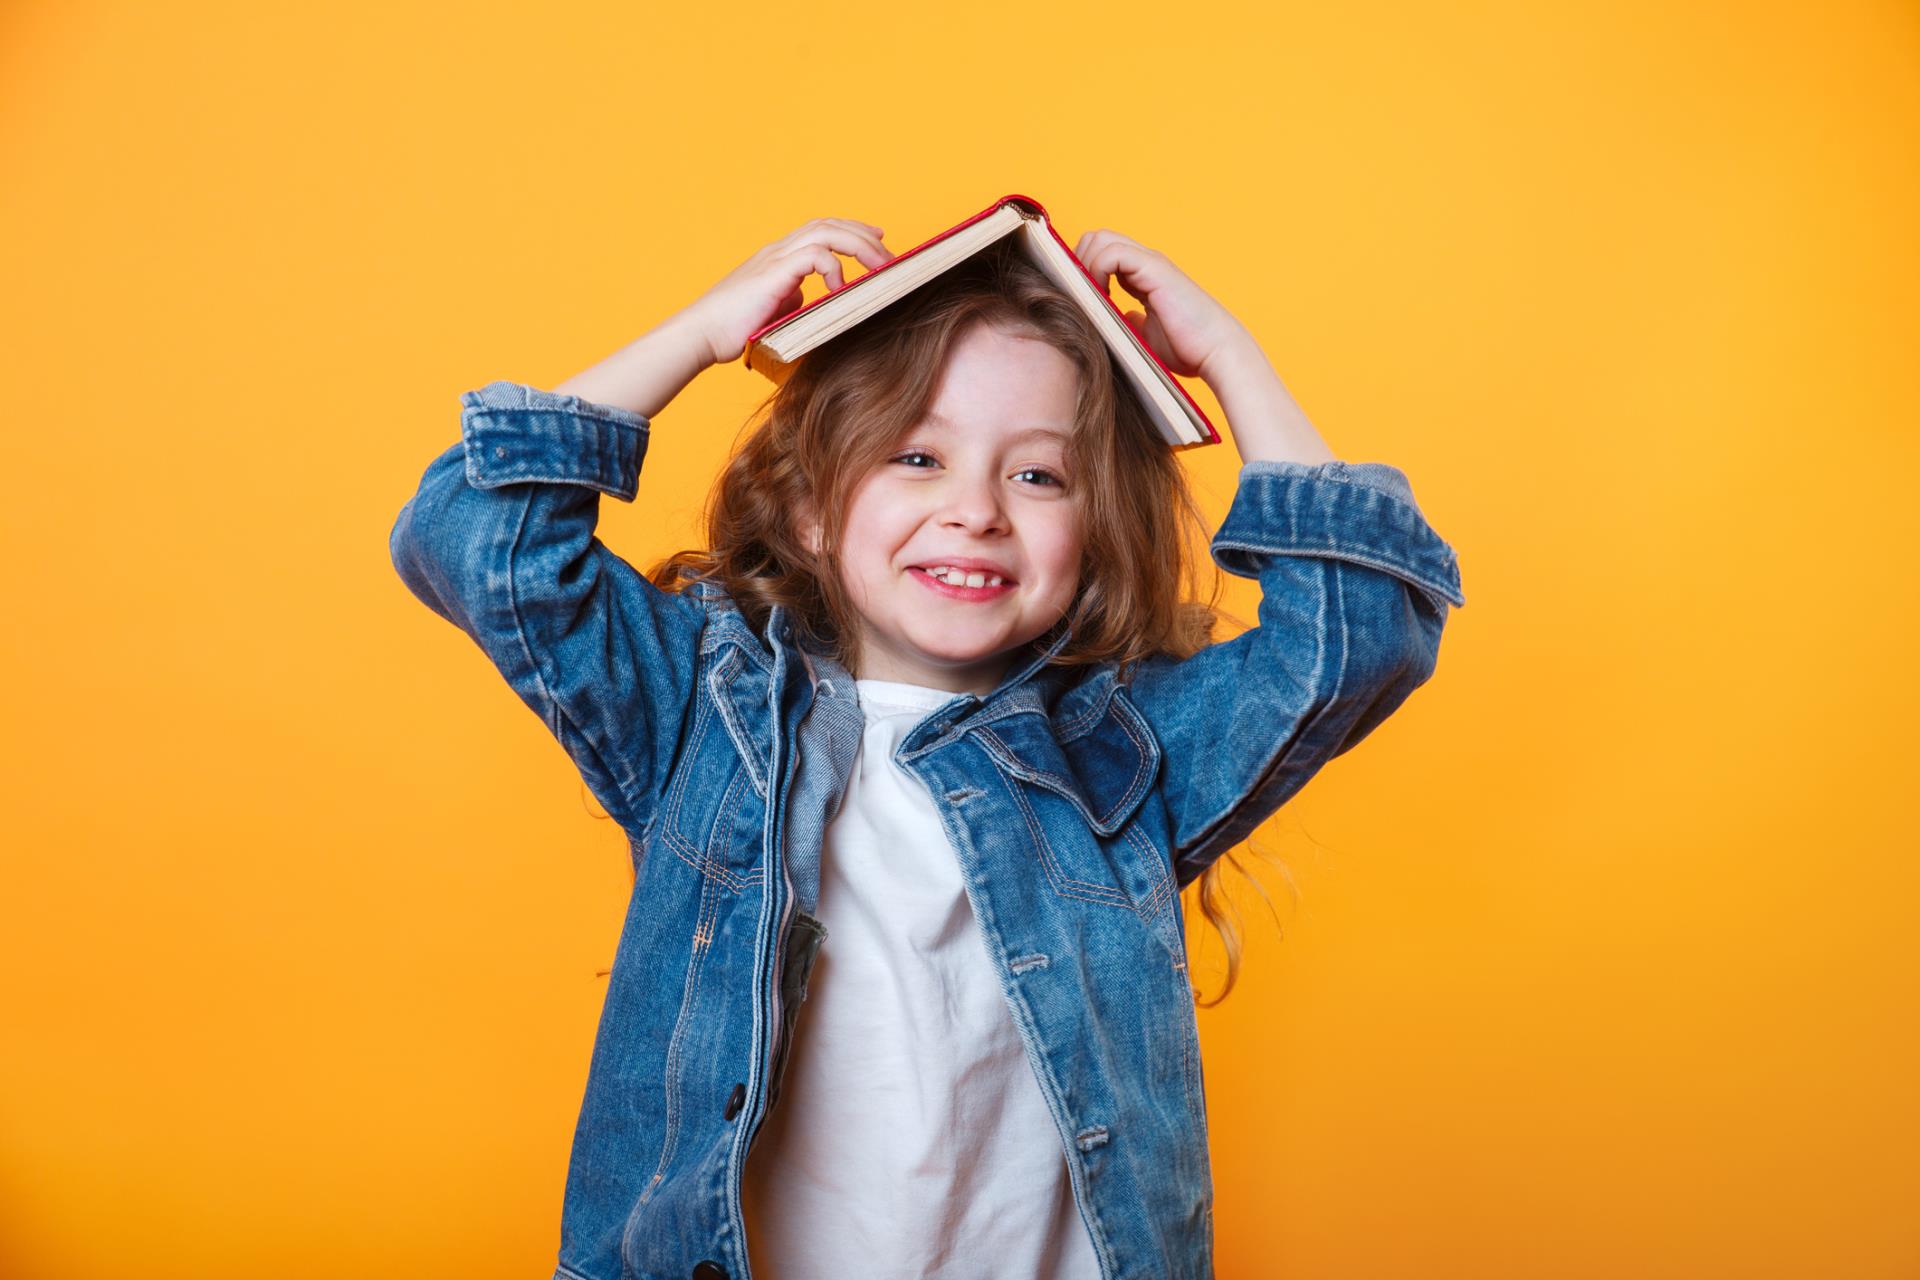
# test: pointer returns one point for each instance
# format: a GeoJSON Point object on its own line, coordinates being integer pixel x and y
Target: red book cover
{"type": "Point", "coordinates": [759, 358]}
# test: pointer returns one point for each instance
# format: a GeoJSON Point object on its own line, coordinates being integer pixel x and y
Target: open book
{"type": "Point", "coordinates": [775, 346]}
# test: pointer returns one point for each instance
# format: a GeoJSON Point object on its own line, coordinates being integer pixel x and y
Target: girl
{"type": "Point", "coordinates": [934, 692]}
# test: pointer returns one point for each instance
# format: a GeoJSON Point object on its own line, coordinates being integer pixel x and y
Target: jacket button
{"type": "Point", "coordinates": [735, 1101]}
{"type": "Point", "coordinates": [709, 1270]}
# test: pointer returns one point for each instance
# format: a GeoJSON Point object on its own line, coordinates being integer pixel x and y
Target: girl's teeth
{"type": "Point", "coordinates": [959, 578]}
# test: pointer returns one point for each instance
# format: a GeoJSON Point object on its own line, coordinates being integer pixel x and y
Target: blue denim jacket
{"type": "Point", "coordinates": [1077, 807]}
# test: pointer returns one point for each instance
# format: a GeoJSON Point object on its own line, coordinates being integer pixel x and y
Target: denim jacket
{"type": "Point", "coordinates": [1077, 806]}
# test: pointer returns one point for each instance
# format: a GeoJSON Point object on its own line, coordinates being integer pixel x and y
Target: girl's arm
{"type": "Point", "coordinates": [648, 372]}
{"type": "Point", "coordinates": [1354, 591]}
{"type": "Point", "coordinates": [1355, 586]}
{"type": "Point", "coordinates": [499, 539]}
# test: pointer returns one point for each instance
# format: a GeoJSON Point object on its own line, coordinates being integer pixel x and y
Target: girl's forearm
{"type": "Point", "coordinates": [648, 372]}
{"type": "Point", "coordinates": [1266, 422]}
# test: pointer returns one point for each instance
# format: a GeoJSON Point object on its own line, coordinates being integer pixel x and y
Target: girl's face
{"type": "Point", "coordinates": [980, 485]}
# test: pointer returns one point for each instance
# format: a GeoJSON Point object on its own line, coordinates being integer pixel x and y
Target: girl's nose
{"type": "Point", "coordinates": [975, 503]}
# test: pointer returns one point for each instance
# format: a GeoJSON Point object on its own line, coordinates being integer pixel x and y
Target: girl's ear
{"type": "Point", "coordinates": [807, 527]}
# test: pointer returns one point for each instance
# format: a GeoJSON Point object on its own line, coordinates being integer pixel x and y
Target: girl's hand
{"type": "Point", "coordinates": [1184, 326]}
{"type": "Point", "coordinates": [768, 284]}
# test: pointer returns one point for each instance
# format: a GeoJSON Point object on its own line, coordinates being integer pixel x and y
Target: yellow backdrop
{"type": "Point", "coordinates": [1602, 962]}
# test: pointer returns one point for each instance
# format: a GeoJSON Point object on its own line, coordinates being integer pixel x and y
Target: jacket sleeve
{"type": "Point", "coordinates": [1355, 587]}
{"type": "Point", "coordinates": [499, 540]}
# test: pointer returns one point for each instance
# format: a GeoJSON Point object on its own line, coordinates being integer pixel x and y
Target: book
{"type": "Point", "coordinates": [773, 349]}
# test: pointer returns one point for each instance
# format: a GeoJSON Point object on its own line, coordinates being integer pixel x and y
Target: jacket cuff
{"type": "Point", "coordinates": [1358, 511]}
{"type": "Point", "coordinates": [516, 434]}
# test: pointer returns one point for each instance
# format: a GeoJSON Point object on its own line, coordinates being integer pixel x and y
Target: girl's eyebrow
{"type": "Point", "coordinates": [940, 420]}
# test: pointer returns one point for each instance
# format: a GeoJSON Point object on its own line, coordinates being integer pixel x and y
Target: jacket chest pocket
{"type": "Point", "coordinates": [1077, 796]}
{"type": "Point", "coordinates": [714, 812]}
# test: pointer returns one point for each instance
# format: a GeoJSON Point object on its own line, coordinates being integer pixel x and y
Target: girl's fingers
{"type": "Point", "coordinates": [1099, 258]}
{"type": "Point", "coordinates": [1094, 241]}
{"type": "Point", "coordinates": [1141, 270]}
{"type": "Point", "coordinates": [864, 228]}
{"type": "Point", "coordinates": [859, 240]}
{"type": "Point", "coordinates": [808, 259]}
{"type": "Point", "coordinates": [772, 278]}
{"type": "Point", "coordinates": [1099, 252]}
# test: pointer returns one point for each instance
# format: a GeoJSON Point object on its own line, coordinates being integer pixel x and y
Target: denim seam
{"type": "Point", "coordinates": [1151, 907]}
{"type": "Point", "coordinates": [587, 463]}
{"type": "Point", "coordinates": [720, 685]}
{"type": "Point", "coordinates": [1105, 895]}
{"type": "Point", "coordinates": [723, 822]}
{"type": "Point", "coordinates": [1102, 824]}
{"type": "Point", "coordinates": [1397, 568]}
{"type": "Point", "coordinates": [1142, 776]}
{"type": "Point", "coordinates": [624, 787]}
{"type": "Point", "coordinates": [676, 837]}
{"type": "Point", "coordinates": [587, 412]}
{"type": "Point", "coordinates": [1283, 757]}
{"type": "Point", "coordinates": [696, 969]}
{"type": "Point", "coordinates": [1083, 723]}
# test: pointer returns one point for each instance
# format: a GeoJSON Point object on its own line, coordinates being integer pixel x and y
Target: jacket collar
{"type": "Point", "coordinates": [821, 664]}
{"type": "Point", "coordinates": [1080, 739]}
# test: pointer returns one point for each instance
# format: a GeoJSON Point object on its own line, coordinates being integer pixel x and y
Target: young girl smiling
{"type": "Point", "coordinates": [936, 690]}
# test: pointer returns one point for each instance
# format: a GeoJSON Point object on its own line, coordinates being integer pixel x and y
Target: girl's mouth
{"type": "Point", "coordinates": [953, 592]}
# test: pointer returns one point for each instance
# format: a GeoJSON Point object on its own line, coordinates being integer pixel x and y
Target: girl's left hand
{"type": "Point", "coordinates": [1185, 327]}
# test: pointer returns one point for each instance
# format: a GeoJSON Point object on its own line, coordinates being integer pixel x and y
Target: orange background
{"type": "Point", "coordinates": [1603, 961]}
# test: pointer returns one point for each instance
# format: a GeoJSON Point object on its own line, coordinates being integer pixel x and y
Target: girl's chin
{"type": "Point", "coordinates": [962, 643]}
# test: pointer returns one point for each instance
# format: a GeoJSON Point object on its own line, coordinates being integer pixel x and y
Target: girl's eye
{"type": "Point", "coordinates": [1050, 479]}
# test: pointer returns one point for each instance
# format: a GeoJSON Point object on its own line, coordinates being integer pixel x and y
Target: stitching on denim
{"type": "Point", "coordinates": [968, 725]}
{"type": "Point", "coordinates": [1106, 895]}
{"type": "Point", "coordinates": [702, 858]}
{"type": "Point", "coordinates": [1063, 731]}
{"type": "Point", "coordinates": [1186, 1063]}
{"type": "Point", "coordinates": [1283, 758]}
{"type": "Point", "coordinates": [672, 833]}
{"type": "Point", "coordinates": [1145, 847]}
{"type": "Point", "coordinates": [730, 628]}
{"type": "Point", "coordinates": [587, 412]}
{"type": "Point", "coordinates": [712, 858]}
{"type": "Point", "coordinates": [556, 713]}
{"type": "Point", "coordinates": [997, 747]}
{"type": "Point", "coordinates": [1190, 1047]}
{"type": "Point", "coordinates": [1083, 723]}
{"type": "Point", "coordinates": [702, 936]}
{"type": "Point", "coordinates": [723, 827]}
{"type": "Point", "coordinates": [1138, 786]}
{"type": "Point", "coordinates": [1396, 568]}
{"type": "Point", "coordinates": [720, 686]}
{"type": "Point", "coordinates": [623, 488]}
{"type": "Point", "coordinates": [670, 829]}
{"type": "Point", "coordinates": [1011, 761]}
{"type": "Point", "coordinates": [1105, 823]}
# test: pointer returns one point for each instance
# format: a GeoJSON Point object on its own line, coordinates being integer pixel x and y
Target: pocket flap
{"type": "Point", "coordinates": [1104, 771]}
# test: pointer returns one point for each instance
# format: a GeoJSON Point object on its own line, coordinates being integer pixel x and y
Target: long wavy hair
{"type": "Point", "coordinates": [844, 407]}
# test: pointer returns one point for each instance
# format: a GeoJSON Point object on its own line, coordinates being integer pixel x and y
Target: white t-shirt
{"type": "Point", "coordinates": [911, 1138]}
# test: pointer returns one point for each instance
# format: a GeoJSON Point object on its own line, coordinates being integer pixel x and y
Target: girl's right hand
{"type": "Point", "coordinates": [768, 284]}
